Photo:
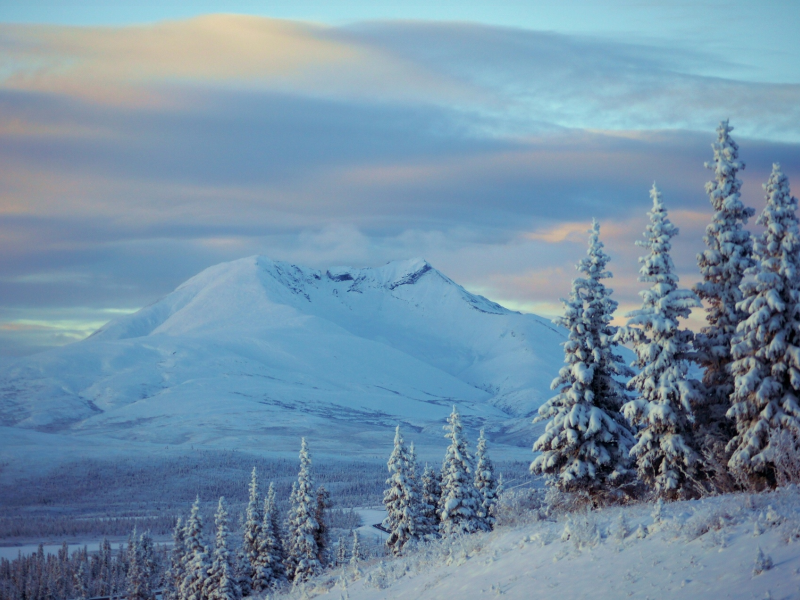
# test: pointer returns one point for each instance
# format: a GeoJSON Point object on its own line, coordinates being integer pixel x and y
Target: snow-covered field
{"type": "Point", "coordinates": [696, 549]}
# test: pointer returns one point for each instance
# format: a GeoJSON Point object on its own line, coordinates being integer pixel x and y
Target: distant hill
{"type": "Point", "coordinates": [254, 353]}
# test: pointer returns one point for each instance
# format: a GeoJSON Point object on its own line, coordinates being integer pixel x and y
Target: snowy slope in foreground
{"type": "Point", "coordinates": [254, 353]}
{"type": "Point", "coordinates": [698, 550]}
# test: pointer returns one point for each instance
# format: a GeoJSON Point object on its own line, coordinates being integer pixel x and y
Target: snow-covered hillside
{"type": "Point", "coordinates": [694, 549]}
{"type": "Point", "coordinates": [255, 353]}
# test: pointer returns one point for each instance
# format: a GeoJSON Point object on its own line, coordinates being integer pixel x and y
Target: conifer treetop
{"type": "Point", "coordinates": [767, 344]}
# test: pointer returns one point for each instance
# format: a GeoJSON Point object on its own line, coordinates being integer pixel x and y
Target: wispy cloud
{"type": "Point", "coordinates": [133, 157]}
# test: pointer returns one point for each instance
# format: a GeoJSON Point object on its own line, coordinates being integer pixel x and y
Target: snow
{"type": "Point", "coordinates": [694, 549]}
{"type": "Point", "coordinates": [255, 353]}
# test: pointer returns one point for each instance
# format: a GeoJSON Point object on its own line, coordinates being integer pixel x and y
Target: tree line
{"type": "Point", "coordinates": [613, 433]}
{"type": "Point", "coordinates": [134, 571]}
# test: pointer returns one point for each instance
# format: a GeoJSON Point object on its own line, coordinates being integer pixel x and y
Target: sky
{"type": "Point", "coordinates": [143, 142]}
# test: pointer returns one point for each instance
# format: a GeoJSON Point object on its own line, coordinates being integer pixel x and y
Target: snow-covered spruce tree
{"type": "Point", "coordinates": [251, 535]}
{"type": "Point", "coordinates": [269, 564]}
{"type": "Point", "coordinates": [174, 576]}
{"type": "Point", "coordinates": [722, 265]}
{"type": "Point", "coordinates": [400, 499]}
{"type": "Point", "coordinates": [421, 525]}
{"type": "Point", "coordinates": [664, 453]}
{"type": "Point", "coordinates": [356, 553]}
{"type": "Point", "coordinates": [151, 565]}
{"type": "Point", "coordinates": [461, 502]}
{"type": "Point", "coordinates": [302, 553]}
{"type": "Point", "coordinates": [197, 562]}
{"type": "Point", "coordinates": [323, 532]}
{"type": "Point", "coordinates": [485, 482]}
{"type": "Point", "coordinates": [586, 443]}
{"type": "Point", "coordinates": [766, 348]}
{"type": "Point", "coordinates": [431, 491]}
{"type": "Point", "coordinates": [220, 583]}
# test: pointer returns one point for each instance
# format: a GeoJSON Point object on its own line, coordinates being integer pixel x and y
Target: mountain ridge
{"type": "Point", "coordinates": [297, 349]}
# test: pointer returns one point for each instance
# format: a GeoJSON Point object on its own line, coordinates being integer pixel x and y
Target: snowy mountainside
{"type": "Point", "coordinates": [257, 352]}
{"type": "Point", "coordinates": [729, 546]}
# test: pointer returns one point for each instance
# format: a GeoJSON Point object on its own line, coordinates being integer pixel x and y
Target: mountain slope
{"type": "Point", "coordinates": [257, 352]}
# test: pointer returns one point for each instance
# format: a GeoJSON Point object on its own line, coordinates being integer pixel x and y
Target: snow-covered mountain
{"type": "Point", "coordinates": [255, 353]}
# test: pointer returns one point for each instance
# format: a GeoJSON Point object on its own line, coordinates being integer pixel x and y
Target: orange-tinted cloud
{"type": "Point", "coordinates": [131, 65]}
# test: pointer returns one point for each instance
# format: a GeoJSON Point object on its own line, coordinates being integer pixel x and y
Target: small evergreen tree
{"type": "Point", "coordinates": [269, 565]}
{"type": "Point", "coordinates": [197, 561]}
{"type": "Point", "coordinates": [663, 409]}
{"type": "Point", "coordinates": [252, 532]}
{"type": "Point", "coordinates": [221, 583]}
{"type": "Point", "coordinates": [173, 579]}
{"type": "Point", "coordinates": [341, 552]}
{"type": "Point", "coordinates": [431, 493]}
{"type": "Point", "coordinates": [399, 498]}
{"type": "Point", "coordinates": [302, 559]}
{"type": "Point", "coordinates": [356, 553]}
{"type": "Point", "coordinates": [485, 483]}
{"type": "Point", "coordinates": [722, 265]}
{"type": "Point", "coordinates": [461, 502]}
{"type": "Point", "coordinates": [150, 566]}
{"type": "Point", "coordinates": [766, 348]}
{"type": "Point", "coordinates": [323, 533]}
{"type": "Point", "coordinates": [586, 443]}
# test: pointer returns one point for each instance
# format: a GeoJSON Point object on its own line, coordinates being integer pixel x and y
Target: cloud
{"type": "Point", "coordinates": [138, 66]}
{"type": "Point", "coordinates": [131, 158]}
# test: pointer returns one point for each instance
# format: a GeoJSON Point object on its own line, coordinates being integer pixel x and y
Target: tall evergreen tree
{"type": "Point", "coordinates": [431, 492]}
{"type": "Point", "coordinates": [460, 502]}
{"type": "Point", "coordinates": [400, 499]}
{"type": "Point", "coordinates": [766, 348]}
{"type": "Point", "coordinates": [664, 452]}
{"type": "Point", "coordinates": [197, 562]}
{"type": "Point", "coordinates": [722, 265]}
{"type": "Point", "coordinates": [302, 553]}
{"type": "Point", "coordinates": [485, 483]}
{"type": "Point", "coordinates": [586, 443]}
{"type": "Point", "coordinates": [221, 583]}
{"type": "Point", "coordinates": [173, 579]}
{"type": "Point", "coordinates": [251, 533]}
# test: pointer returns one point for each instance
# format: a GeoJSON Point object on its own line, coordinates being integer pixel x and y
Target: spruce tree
{"type": "Point", "coordinates": [251, 533]}
{"type": "Point", "coordinates": [356, 553]}
{"type": "Point", "coordinates": [269, 565]}
{"type": "Point", "coordinates": [485, 483]}
{"type": "Point", "coordinates": [420, 526]}
{"type": "Point", "coordinates": [766, 348]}
{"type": "Point", "coordinates": [302, 554]}
{"type": "Point", "coordinates": [221, 583]}
{"type": "Point", "coordinates": [323, 534]}
{"type": "Point", "coordinates": [150, 566]}
{"type": "Point", "coordinates": [460, 502]}
{"type": "Point", "coordinates": [664, 453]}
{"type": "Point", "coordinates": [431, 492]}
{"type": "Point", "coordinates": [197, 561]}
{"type": "Point", "coordinates": [173, 579]}
{"type": "Point", "coordinates": [722, 265]}
{"type": "Point", "coordinates": [399, 498]}
{"type": "Point", "coordinates": [341, 552]}
{"type": "Point", "coordinates": [586, 443]}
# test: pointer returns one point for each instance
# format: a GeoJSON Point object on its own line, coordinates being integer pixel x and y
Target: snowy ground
{"type": "Point", "coordinates": [698, 549]}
